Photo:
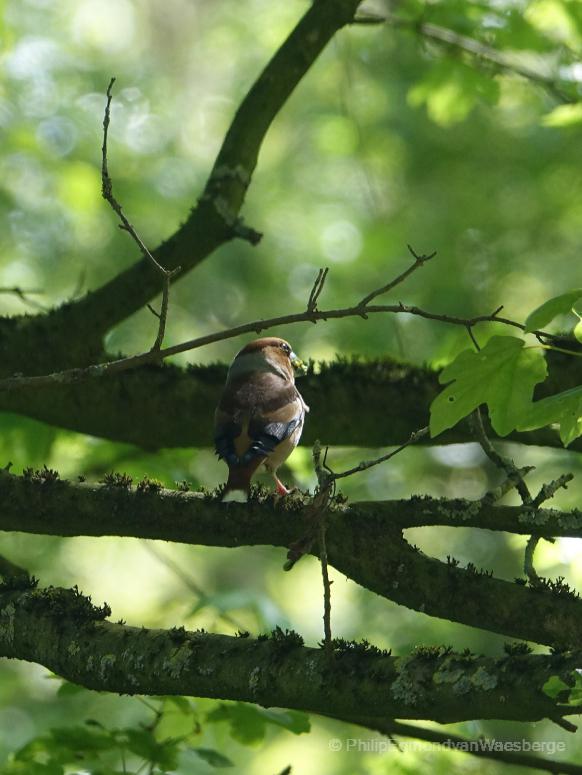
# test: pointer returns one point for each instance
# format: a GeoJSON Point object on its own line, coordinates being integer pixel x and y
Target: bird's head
{"type": "Point", "coordinates": [267, 354]}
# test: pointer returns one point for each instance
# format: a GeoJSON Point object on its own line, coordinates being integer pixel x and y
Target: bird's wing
{"type": "Point", "coordinates": [243, 437]}
{"type": "Point", "coordinates": [268, 432]}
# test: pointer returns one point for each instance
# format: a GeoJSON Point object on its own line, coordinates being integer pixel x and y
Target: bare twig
{"type": "Point", "coordinates": [326, 584]}
{"type": "Point", "coordinates": [70, 376]}
{"type": "Point", "coordinates": [107, 192]}
{"type": "Point", "coordinates": [515, 477]}
{"type": "Point", "coordinates": [506, 465]}
{"type": "Point", "coordinates": [474, 747]}
{"type": "Point", "coordinates": [23, 294]}
{"type": "Point", "coordinates": [365, 464]}
{"type": "Point", "coordinates": [506, 486]}
{"type": "Point", "coordinates": [317, 289]}
{"type": "Point", "coordinates": [418, 262]}
{"type": "Point", "coordinates": [452, 39]}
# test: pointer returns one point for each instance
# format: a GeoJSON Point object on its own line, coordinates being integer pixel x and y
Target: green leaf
{"type": "Point", "coordinates": [83, 739]}
{"type": "Point", "coordinates": [563, 408]}
{"type": "Point", "coordinates": [213, 758]}
{"type": "Point", "coordinates": [142, 743]}
{"type": "Point", "coordinates": [502, 375]}
{"type": "Point", "coordinates": [559, 305]}
{"type": "Point", "coordinates": [177, 720]}
{"type": "Point", "coordinates": [31, 768]}
{"type": "Point", "coordinates": [293, 720]}
{"type": "Point", "coordinates": [450, 89]}
{"type": "Point", "coordinates": [564, 115]}
{"type": "Point", "coordinates": [553, 686]}
{"type": "Point", "coordinates": [248, 722]}
{"type": "Point", "coordinates": [575, 697]}
{"type": "Point", "coordinates": [578, 331]}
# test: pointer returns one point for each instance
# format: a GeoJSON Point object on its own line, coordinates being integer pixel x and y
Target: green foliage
{"type": "Point", "coordinates": [544, 314]}
{"type": "Point", "coordinates": [348, 186]}
{"type": "Point", "coordinates": [248, 723]}
{"type": "Point", "coordinates": [451, 89]}
{"type": "Point", "coordinates": [160, 744]}
{"type": "Point", "coordinates": [554, 686]}
{"type": "Point", "coordinates": [563, 408]}
{"type": "Point", "coordinates": [213, 758]}
{"type": "Point", "coordinates": [502, 375]}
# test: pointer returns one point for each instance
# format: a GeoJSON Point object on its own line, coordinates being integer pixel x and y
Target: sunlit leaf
{"type": "Point", "coordinates": [502, 375]}
{"type": "Point", "coordinates": [564, 115]}
{"type": "Point", "coordinates": [558, 305]}
{"type": "Point", "coordinates": [563, 408]}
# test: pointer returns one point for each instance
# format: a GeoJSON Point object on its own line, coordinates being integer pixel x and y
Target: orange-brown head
{"type": "Point", "coordinates": [269, 354]}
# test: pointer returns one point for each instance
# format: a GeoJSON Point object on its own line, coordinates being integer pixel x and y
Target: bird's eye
{"type": "Point", "coordinates": [285, 347]}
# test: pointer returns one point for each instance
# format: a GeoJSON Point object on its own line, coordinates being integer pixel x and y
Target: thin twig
{"type": "Point", "coordinates": [107, 193]}
{"type": "Point", "coordinates": [515, 476]}
{"type": "Point", "coordinates": [506, 465]}
{"type": "Point", "coordinates": [317, 289]}
{"type": "Point", "coordinates": [326, 584]}
{"type": "Point", "coordinates": [23, 294]}
{"type": "Point", "coordinates": [473, 747]}
{"type": "Point", "coordinates": [450, 38]}
{"type": "Point", "coordinates": [365, 464]}
{"type": "Point", "coordinates": [70, 376]}
{"type": "Point", "coordinates": [419, 260]}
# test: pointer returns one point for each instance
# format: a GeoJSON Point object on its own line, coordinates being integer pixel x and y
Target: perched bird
{"type": "Point", "coordinates": [260, 415]}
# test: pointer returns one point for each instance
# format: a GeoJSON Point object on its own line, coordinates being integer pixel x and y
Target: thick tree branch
{"type": "Point", "coordinates": [387, 397]}
{"type": "Point", "coordinates": [363, 542]}
{"type": "Point", "coordinates": [215, 219]}
{"type": "Point", "coordinates": [63, 631]}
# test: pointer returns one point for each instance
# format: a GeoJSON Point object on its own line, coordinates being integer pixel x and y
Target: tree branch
{"type": "Point", "coordinates": [451, 39]}
{"type": "Point", "coordinates": [362, 309]}
{"type": "Point", "coordinates": [107, 192]}
{"type": "Point", "coordinates": [215, 219]}
{"type": "Point", "coordinates": [66, 633]}
{"type": "Point", "coordinates": [363, 542]}
{"type": "Point", "coordinates": [481, 748]}
{"type": "Point", "coordinates": [388, 398]}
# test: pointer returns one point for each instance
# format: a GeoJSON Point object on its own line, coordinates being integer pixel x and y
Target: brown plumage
{"type": "Point", "coordinates": [260, 415]}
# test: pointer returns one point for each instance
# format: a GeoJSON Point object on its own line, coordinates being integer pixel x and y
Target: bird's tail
{"type": "Point", "coordinates": [239, 482]}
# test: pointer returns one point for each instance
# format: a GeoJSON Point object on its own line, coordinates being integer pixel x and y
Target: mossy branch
{"type": "Point", "coordinates": [364, 542]}
{"type": "Point", "coordinates": [388, 397]}
{"type": "Point", "coordinates": [65, 632]}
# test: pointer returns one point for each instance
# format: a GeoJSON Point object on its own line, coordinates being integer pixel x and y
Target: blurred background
{"type": "Point", "coordinates": [391, 139]}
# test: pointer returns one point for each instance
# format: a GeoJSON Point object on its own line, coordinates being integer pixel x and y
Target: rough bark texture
{"type": "Point", "coordinates": [63, 631]}
{"type": "Point", "coordinates": [165, 406]}
{"type": "Point", "coordinates": [363, 541]}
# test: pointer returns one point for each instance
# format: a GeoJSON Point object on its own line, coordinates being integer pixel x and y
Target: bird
{"type": "Point", "coordinates": [260, 414]}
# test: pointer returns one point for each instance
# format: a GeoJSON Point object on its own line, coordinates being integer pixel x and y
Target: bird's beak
{"type": "Point", "coordinates": [297, 363]}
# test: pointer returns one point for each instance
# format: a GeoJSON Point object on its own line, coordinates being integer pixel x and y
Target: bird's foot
{"type": "Point", "coordinates": [281, 489]}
